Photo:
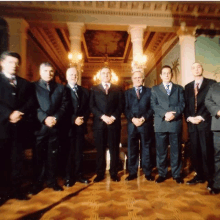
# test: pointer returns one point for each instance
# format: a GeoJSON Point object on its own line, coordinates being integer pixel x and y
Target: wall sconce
{"type": "Point", "coordinates": [139, 63]}
{"type": "Point", "coordinates": [76, 59]}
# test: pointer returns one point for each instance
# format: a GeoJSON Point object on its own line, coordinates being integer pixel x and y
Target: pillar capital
{"type": "Point", "coordinates": [185, 31]}
{"type": "Point", "coordinates": [137, 32]}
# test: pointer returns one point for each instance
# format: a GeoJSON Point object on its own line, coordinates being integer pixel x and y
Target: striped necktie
{"type": "Point", "coordinates": [168, 89]}
{"type": "Point", "coordinates": [196, 93]}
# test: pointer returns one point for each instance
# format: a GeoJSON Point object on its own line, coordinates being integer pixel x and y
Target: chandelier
{"type": "Point", "coordinates": [76, 59]}
{"type": "Point", "coordinates": [139, 63]}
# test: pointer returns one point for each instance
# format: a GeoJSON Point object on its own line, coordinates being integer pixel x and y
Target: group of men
{"type": "Point", "coordinates": [57, 116]}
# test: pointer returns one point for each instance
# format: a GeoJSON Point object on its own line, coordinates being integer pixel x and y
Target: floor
{"type": "Point", "coordinates": [133, 200]}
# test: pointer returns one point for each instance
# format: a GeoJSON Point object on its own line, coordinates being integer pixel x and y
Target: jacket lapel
{"type": "Point", "coordinates": [142, 92]}
{"type": "Point", "coordinates": [173, 89]}
{"type": "Point", "coordinates": [161, 87]}
{"type": "Point", "coordinates": [101, 87]}
{"type": "Point", "coordinates": [204, 84]}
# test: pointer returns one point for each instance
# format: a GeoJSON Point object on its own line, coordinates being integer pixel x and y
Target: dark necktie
{"type": "Point", "coordinates": [12, 81]}
{"type": "Point", "coordinates": [138, 92]}
{"type": "Point", "coordinates": [196, 93]}
{"type": "Point", "coordinates": [48, 86]}
{"type": "Point", "coordinates": [75, 89]}
{"type": "Point", "coordinates": [168, 89]}
{"type": "Point", "coordinates": [106, 89]}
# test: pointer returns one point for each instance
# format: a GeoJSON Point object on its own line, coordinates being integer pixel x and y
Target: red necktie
{"type": "Point", "coordinates": [196, 93]}
{"type": "Point", "coordinates": [138, 92]}
{"type": "Point", "coordinates": [106, 89]}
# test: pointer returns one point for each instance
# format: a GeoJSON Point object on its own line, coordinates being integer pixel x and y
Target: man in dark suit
{"type": "Point", "coordinates": [16, 104]}
{"type": "Point", "coordinates": [167, 101]}
{"type": "Point", "coordinates": [140, 125]}
{"type": "Point", "coordinates": [212, 102]}
{"type": "Point", "coordinates": [53, 104]}
{"type": "Point", "coordinates": [199, 126]}
{"type": "Point", "coordinates": [106, 104]}
{"type": "Point", "coordinates": [78, 114]}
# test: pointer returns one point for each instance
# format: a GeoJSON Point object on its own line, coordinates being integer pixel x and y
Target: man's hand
{"type": "Point", "coordinates": [138, 121]}
{"type": "Point", "coordinates": [108, 120]}
{"type": "Point", "coordinates": [50, 121]}
{"type": "Point", "coordinates": [218, 113]}
{"type": "Point", "coordinates": [195, 120]}
{"type": "Point", "coordinates": [79, 121]}
{"type": "Point", "coordinates": [169, 116]}
{"type": "Point", "coordinates": [15, 116]}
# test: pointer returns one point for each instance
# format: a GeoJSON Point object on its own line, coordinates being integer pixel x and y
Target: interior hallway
{"type": "Point", "coordinates": [133, 200]}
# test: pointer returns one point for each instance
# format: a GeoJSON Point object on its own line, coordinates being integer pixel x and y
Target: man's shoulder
{"type": "Point", "coordinates": [189, 84]}
{"type": "Point", "coordinates": [210, 81]}
{"type": "Point", "coordinates": [177, 86]}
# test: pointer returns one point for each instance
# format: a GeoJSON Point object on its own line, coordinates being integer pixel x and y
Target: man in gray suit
{"type": "Point", "coordinates": [167, 101]}
{"type": "Point", "coordinates": [212, 102]}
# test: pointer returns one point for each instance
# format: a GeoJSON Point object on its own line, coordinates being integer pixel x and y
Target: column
{"type": "Point", "coordinates": [76, 29]}
{"type": "Point", "coordinates": [187, 54]}
{"type": "Point", "coordinates": [17, 32]}
{"type": "Point", "coordinates": [137, 33]}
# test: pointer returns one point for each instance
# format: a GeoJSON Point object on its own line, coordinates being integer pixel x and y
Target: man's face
{"type": "Point", "coordinates": [10, 65]}
{"type": "Point", "coordinates": [137, 79]}
{"type": "Point", "coordinates": [197, 69]}
{"type": "Point", "coordinates": [72, 76]}
{"type": "Point", "coordinates": [166, 75]}
{"type": "Point", "coordinates": [46, 73]}
{"type": "Point", "coordinates": [105, 75]}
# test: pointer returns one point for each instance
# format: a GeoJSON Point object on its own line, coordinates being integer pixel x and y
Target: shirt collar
{"type": "Point", "coordinates": [103, 84]}
{"type": "Point", "coordinates": [72, 85]}
{"type": "Point", "coordinates": [198, 81]}
{"type": "Point", "coordinates": [170, 84]}
{"type": "Point", "coordinates": [9, 76]}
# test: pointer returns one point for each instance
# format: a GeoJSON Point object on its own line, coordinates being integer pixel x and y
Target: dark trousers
{"type": "Point", "coordinates": [74, 164]}
{"type": "Point", "coordinates": [202, 155]}
{"type": "Point", "coordinates": [46, 158]}
{"type": "Point", "coordinates": [133, 152]}
{"type": "Point", "coordinates": [11, 162]}
{"type": "Point", "coordinates": [162, 141]}
{"type": "Point", "coordinates": [103, 138]}
{"type": "Point", "coordinates": [217, 159]}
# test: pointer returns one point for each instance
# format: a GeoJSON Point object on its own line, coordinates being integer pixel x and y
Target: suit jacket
{"type": "Point", "coordinates": [162, 103]}
{"type": "Point", "coordinates": [110, 105]}
{"type": "Point", "coordinates": [201, 108]}
{"type": "Point", "coordinates": [138, 108]}
{"type": "Point", "coordinates": [51, 103]}
{"type": "Point", "coordinates": [212, 102]}
{"type": "Point", "coordinates": [78, 106]}
{"type": "Point", "coordinates": [19, 98]}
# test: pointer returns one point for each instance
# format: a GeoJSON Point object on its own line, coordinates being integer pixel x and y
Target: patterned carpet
{"type": "Point", "coordinates": [134, 200]}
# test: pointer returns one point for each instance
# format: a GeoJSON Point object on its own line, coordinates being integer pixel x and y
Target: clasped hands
{"type": "Point", "coordinates": [138, 121]}
{"type": "Point", "coordinates": [169, 116]}
{"type": "Point", "coordinates": [15, 116]}
{"type": "Point", "coordinates": [195, 120]}
{"type": "Point", "coordinates": [79, 120]}
{"type": "Point", "coordinates": [50, 121]}
{"type": "Point", "coordinates": [108, 120]}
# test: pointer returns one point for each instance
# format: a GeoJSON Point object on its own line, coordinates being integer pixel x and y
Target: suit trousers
{"type": "Point", "coordinates": [107, 138]}
{"type": "Point", "coordinates": [11, 162]}
{"type": "Point", "coordinates": [133, 152]}
{"type": "Point", "coordinates": [46, 158]}
{"type": "Point", "coordinates": [217, 159]}
{"type": "Point", "coordinates": [202, 153]}
{"type": "Point", "coordinates": [162, 141]}
{"type": "Point", "coordinates": [74, 164]}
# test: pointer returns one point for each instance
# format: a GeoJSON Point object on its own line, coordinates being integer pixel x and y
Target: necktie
{"type": "Point", "coordinates": [48, 86]}
{"type": "Point", "coordinates": [106, 89]}
{"type": "Point", "coordinates": [196, 93]}
{"type": "Point", "coordinates": [12, 81]}
{"type": "Point", "coordinates": [138, 92]}
{"type": "Point", "coordinates": [75, 89]}
{"type": "Point", "coordinates": [168, 89]}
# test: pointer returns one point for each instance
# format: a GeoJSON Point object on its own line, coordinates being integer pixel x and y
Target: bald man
{"type": "Point", "coordinates": [199, 126]}
{"type": "Point", "coordinates": [78, 114]}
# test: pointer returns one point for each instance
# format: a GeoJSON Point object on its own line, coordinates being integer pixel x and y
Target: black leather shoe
{"type": "Point", "coordinates": [149, 177]}
{"type": "Point", "coordinates": [69, 183]}
{"type": "Point", "coordinates": [82, 180]}
{"type": "Point", "coordinates": [35, 189]}
{"type": "Point", "coordinates": [195, 180]}
{"type": "Point", "coordinates": [160, 179]}
{"type": "Point", "coordinates": [179, 180]}
{"type": "Point", "coordinates": [210, 184]}
{"type": "Point", "coordinates": [55, 187]}
{"type": "Point", "coordinates": [131, 177]}
{"type": "Point", "coordinates": [98, 179]}
{"type": "Point", "coordinates": [214, 191]}
{"type": "Point", "coordinates": [115, 178]}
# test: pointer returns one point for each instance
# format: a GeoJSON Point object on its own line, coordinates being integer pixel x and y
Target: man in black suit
{"type": "Point", "coordinates": [140, 125]}
{"type": "Point", "coordinates": [53, 104]}
{"type": "Point", "coordinates": [199, 126]}
{"type": "Point", "coordinates": [212, 102]}
{"type": "Point", "coordinates": [78, 114]}
{"type": "Point", "coordinates": [16, 104]}
{"type": "Point", "coordinates": [167, 101]}
{"type": "Point", "coordinates": [106, 104]}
